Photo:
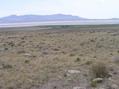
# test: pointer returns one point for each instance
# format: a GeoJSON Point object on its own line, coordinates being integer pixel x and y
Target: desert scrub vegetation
{"type": "Point", "coordinates": [99, 70]}
{"type": "Point", "coordinates": [59, 59]}
{"type": "Point", "coordinates": [78, 59]}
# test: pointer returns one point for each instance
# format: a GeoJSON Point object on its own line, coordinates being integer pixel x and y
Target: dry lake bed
{"type": "Point", "coordinates": [59, 57]}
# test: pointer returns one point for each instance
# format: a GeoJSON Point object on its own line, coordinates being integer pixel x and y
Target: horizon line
{"type": "Point", "coordinates": [59, 14]}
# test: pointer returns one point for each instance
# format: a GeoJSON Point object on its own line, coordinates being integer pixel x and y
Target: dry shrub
{"type": "Point", "coordinates": [99, 70]}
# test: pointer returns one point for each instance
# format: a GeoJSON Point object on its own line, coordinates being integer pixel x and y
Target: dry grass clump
{"type": "Point", "coordinates": [78, 59]}
{"type": "Point", "coordinates": [99, 70]}
{"type": "Point", "coordinates": [7, 66]}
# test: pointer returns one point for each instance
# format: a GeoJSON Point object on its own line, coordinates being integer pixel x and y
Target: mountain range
{"type": "Point", "coordinates": [39, 18]}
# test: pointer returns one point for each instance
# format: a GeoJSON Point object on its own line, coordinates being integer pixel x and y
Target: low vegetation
{"type": "Point", "coordinates": [59, 57]}
{"type": "Point", "coordinates": [99, 70]}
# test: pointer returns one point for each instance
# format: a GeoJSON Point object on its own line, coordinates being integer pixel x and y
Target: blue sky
{"type": "Point", "coordinates": [85, 8]}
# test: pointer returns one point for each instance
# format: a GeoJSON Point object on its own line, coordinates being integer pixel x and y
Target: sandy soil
{"type": "Point", "coordinates": [59, 57]}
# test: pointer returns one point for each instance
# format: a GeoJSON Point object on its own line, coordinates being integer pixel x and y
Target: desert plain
{"type": "Point", "coordinates": [59, 57]}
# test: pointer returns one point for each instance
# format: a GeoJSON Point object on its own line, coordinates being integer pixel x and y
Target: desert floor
{"type": "Point", "coordinates": [59, 57]}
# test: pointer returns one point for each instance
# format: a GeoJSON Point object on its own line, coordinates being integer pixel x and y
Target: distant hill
{"type": "Point", "coordinates": [39, 18]}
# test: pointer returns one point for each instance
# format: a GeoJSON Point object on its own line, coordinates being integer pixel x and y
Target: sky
{"type": "Point", "coordinates": [92, 9]}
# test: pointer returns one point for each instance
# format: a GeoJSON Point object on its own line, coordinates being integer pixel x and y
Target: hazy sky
{"type": "Point", "coordinates": [84, 8]}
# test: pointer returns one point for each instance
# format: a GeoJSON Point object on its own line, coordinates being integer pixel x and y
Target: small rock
{"type": "Point", "coordinates": [27, 54]}
{"type": "Point", "coordinates": [74, 71]}
{"type": "Point", "coordinates": [94, 82]}
{"type": "Point", "coordinates": [110, 79]}
{"type": "Point", "coordinates": [97, 80]}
